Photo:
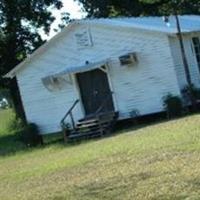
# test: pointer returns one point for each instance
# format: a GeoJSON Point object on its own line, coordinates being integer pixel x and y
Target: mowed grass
{"type": "Point", "coordinates": [9, 137]}
{"type": "Point", "coordinates": [5, 117]}
{"type": "Point", "coordinates": [160, 161]}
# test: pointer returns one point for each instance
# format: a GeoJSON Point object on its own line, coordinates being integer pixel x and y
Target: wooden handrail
{"type": "Point", "coordinates": [103, 104]}
{"type": "Point", "coordinates": [69, 113]}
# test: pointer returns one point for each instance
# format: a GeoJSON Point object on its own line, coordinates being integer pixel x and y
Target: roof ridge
{"type": "Point", "coordinates": [189, 23]}
{"type": "Point", "coordinates": [136, 17]}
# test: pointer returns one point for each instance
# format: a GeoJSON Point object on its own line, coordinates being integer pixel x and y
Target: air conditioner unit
{"type": "Point", "coordinates": [128, 59]}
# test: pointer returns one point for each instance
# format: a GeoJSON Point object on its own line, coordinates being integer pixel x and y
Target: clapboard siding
{"type": "Point", "coordinates": [179, 68]}
{"type": "Point", "coordinates": [138, 87]}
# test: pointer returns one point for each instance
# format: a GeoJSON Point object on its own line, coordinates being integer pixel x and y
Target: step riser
{"type": "Point", "coordinates": [81, 136]}
{"type": "Point", "coordinates": [93, 127]}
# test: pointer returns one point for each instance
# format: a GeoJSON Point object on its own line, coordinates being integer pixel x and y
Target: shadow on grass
{"type": "Point", "coordinates": [128, 125]}
{"type": "Point", "coordinates": [115, 188]}
{"type": "Point", "coordinates": [120, 129]}
{"type": "Point", "coordinates": [123, 127]}
{"type": "Point", "coordinates": [11, 144]}
{"type": "Point", "coordinates": [171, 197]}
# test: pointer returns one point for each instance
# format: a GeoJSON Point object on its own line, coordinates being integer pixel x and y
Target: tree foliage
{"type": "Point", "coordinates": [105, 8]}
{"type": "Point", "coordinates": [20, 24]}
{"type": "Point", "coordinates": [20, 21]}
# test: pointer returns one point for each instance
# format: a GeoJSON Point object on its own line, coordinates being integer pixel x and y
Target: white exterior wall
{"type": "Point", "coordinates": [138, 87]}
{"type": "Point", "coordinates": [191, 58]}
{"type": "Point", "coordinates": [43, 107]}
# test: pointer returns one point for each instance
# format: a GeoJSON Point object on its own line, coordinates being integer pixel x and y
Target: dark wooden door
{"type": "Point", "coordinates": [95, 91]}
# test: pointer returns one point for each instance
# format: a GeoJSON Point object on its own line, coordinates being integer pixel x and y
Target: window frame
{"type": "Point", "coordinates": [196, 49]}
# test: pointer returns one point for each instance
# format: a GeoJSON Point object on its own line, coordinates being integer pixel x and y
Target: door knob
{"type": "Point", "coordinates": [95, 92]}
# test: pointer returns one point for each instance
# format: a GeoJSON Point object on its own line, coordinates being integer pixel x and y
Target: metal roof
{"type": "Point", "coordinates": [80, 68]}
{"type": "Point", "coordinates": [189, 23]}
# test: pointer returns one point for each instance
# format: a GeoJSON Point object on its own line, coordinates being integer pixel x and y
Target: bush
{"type": "Point", "coordinates": [173, 105]}
{"type": "Point", "coordinates": [30, 135]}
{"type": "Point", "coordinates": [16, 125]}
{"type": "Point", "coordinates": [194, 91]}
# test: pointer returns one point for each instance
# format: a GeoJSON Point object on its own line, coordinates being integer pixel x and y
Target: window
{"type": "Point", "coordinates": [196, 43]}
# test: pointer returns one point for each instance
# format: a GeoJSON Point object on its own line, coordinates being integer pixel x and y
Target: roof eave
{"type": "Point", "coordinates": [11, 74]}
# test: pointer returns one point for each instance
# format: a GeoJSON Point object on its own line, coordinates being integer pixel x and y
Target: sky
{"type": "Point", "coordinates": [68, 6]}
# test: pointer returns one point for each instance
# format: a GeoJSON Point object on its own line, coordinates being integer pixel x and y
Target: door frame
{"type": "Point", "coordinates": [115, 105]}
{"type": "Point", "coordinates": [106, 71]}
{"type": "Point", "coordinates": [77, 89]}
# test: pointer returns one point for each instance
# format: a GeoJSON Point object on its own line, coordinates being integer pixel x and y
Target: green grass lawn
{"type": "Point", "coordinates": [9, 139]}
{"type": "Point", "coordinates": [5, 117]}
{"type": "Point", "coordinates": [156, 162]}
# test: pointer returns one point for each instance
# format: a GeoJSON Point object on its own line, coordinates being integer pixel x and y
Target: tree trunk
{"type": "Point", "coordinates": [17, 102]}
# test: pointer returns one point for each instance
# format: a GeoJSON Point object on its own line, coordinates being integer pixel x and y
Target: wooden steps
{"type": "Point", "coordinates": [94, 126]}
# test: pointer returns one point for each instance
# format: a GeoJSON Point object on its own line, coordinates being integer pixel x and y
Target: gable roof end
{"type": "Point", "coordinates": [189, 23]}
{"type": "Point", "coordinates": [12, 73]}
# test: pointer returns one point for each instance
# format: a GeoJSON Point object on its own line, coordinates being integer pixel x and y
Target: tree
{"type": "Point", "coordinates": [106, 8]}
{"type": "Point", "coordinates": [167, 7]}
{"type": "Point", "coordinates": [20, 23]}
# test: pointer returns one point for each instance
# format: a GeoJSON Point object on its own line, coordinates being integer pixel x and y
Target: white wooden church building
{"type": "Point", "coordinates": [131, 62]}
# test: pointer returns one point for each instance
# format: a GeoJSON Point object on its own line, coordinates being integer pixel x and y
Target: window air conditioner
{"type": "Point", "coordinates": [128, 59]}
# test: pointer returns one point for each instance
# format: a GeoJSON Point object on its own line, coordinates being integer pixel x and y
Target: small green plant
{"type": "Point", "coordinates": [16, 124]}
{"type": "Point", "coordinates": [188, 91]}
{"type": "Point", "coordinates": [30, 135]}
{"type": "Point", "coordinates": [134, 113]}
{"type": "Point", "coordinates": [173, 105]}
